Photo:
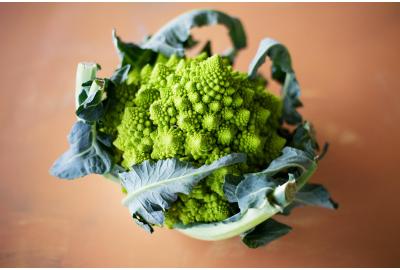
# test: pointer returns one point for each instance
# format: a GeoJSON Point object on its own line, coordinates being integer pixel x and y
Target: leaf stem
{"type": "Point", "coordinates": [86, 71]}
{"type": "Point", "coordinates": [253, 216]}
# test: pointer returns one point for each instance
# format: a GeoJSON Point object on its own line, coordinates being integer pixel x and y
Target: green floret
{"type": "Point", "coordinates": [167, 143]}
{"type": "Point", "coordinates": [202, 205]}
{"type": "Point", "coordinates": [198, 145]}
{"type": "Point", "coordinates": [134, 136]}
{"type": "Point", "coordinates": [198, 110]}
{"type": "Point", "coordinates": [122, 96]}
{"type": "Point", "coordinates": [146, 96]}
{"type": "Point", "coordinates": [206, 202]}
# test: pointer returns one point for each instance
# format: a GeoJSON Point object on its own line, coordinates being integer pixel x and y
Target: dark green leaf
{"type": "Point", "coordinates": [282, 71]}
{"type": "Point", "coordinates": [190, 42]}
{"type": "Point", "coordinates": [132, 54]}
{"type": "Point", "coordinates": [143, 223]}
{"type": "Point", "coordinates": [315, 195]}
{"type": "Point", "coordinates": [312, 195]}
{"type": "Point", "coordinates": [304, 139]}
{"type": "Point", "coordinates": [91, 107]}
{"type": "Point", "coordinates": [251, 189]}
{"type": "Point", "coordinates": [295, 160]}
{"type": "Point", "coordinates": [207, 49]}
{"type": "Point", "coordinates": [121, 75]}
{"type": "Point", "coordinates": [152, 187]}
{"type": "Point", "coordinates": [171, 38]}
{"type": "Point", "coordinates": [86, 154]}
{"type": "Point", "coordinates": [265, 233]}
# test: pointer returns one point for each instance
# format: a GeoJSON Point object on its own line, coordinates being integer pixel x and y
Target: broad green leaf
{"type": "Point", "coordinates": [91, 107]}
{"type": "Point", "coordinates": [132, 54]}
{"type": "Point", "coordinates": [312, 195]}
{"type": "Point", "coordinates": [283, 72]}
{"type": "Point", "coordinates": [152, 187]}
{"type": "Point", "coordinates": [265, 233]}
{"type": "Point", "coordinates": [252, 188]}
{"type": "Point", "coordinates": [297, 160]}
{"type": "Point", "coordinates": [171, 38]}
{"type": "Point", "coordinates": [315, 195]}
{"type": "Point", "coordinates": [121, 74]}
{"type": "Point", "coordinates": [304, 139]}
{"type": "Point", "coordinates": [86, 154]}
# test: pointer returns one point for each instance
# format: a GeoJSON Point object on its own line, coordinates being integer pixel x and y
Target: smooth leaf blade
{"type": "Point", "coordinates": [86, 154]}
{"type": "Point", "coordinates": [315, 195]}
{"type": "Point", "coordinates": [171, 38]}
{"type": "Point", "coordinates": [121, 74]}
{"type": "Point", "coordinates": [265, 233]}
{"type": "Point", "coordinates": [152, 187]}
{"type": "Point", "coordinates": [132, 54]}
{"type": "Point", "coordinates": [290, 158]}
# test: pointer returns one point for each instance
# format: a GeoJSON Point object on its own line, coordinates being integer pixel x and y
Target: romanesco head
{"type": "Point", "coordinates": [198, 110]}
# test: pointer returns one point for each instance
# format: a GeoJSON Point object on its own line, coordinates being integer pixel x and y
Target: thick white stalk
{"type": "Point", "coordinates": [283, 195]}
{"type": "Point", "coordinates": [86, 71]}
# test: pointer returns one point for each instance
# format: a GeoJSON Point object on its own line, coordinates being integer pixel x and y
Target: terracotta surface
{"type": "Point", "coordinates": [348, 63]}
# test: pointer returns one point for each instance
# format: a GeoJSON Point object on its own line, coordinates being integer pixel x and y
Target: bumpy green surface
{"type": "Point", "coordinates": [198, 110]}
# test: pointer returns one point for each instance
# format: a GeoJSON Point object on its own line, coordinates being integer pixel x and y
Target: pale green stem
{"type": "Point", "coordinates": [283, 195]}
{"type": "Point", "coordinates": [86, 71]}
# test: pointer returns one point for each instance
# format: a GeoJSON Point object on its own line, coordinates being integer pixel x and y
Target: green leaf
{"type": "Point", "coordinates": [190, 42]}
{"type": "Point", "coordinates": [152, 187]}
{"type": "Point", "coordinates": [121, 74]}
{"type": "Point", "coordinates": [171, 38]}
{"type": "Point", "coordinates": [85, 72]}
{"type": "Point", "coordinates": [132, 54]}
{"type": "Point", "coordinates": [283, 72]}
{"type": "Point", "coordinates": [253, 190]}
{"type": "Point", "coordinates": [265, 233]}
{"type": "Point", "coordinates": [295, 160]}
{"type": "Point", "coordinates": [239, 223]}
{"type": "Point", "coordinates": [140, 221]}
{"type": "Point", "coordinates": [207, 49]}
{"type": "Point", "coordinates": [304, 138]}
{"type": "Point", "coordinates": [315, 195]}
{"type": "Point", "coordinates": [230, 184]}
{"type": "Point", "coordinates": [91, 107]}
{"type": "Point", "coordinates": [312, 195]}
{"type": "Point", "coordinates": [86, 154]}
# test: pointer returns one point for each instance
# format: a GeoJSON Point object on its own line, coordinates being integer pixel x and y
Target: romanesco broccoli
{"type": "Point", "coordinates": [195, 109]}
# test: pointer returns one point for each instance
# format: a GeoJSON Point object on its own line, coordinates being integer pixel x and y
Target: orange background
{"type": "Point", "coordinates": [347, 60]}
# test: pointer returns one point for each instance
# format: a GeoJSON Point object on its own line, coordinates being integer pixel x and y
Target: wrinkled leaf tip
{"type": "Point", "coordinates": [60, 174]}
{"type": "Point", "coordinates": [54, 172]}
{"type": "Point", "coordinates": [323, 152]}
{"type": "Point", "coordinates": [334, 204]}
